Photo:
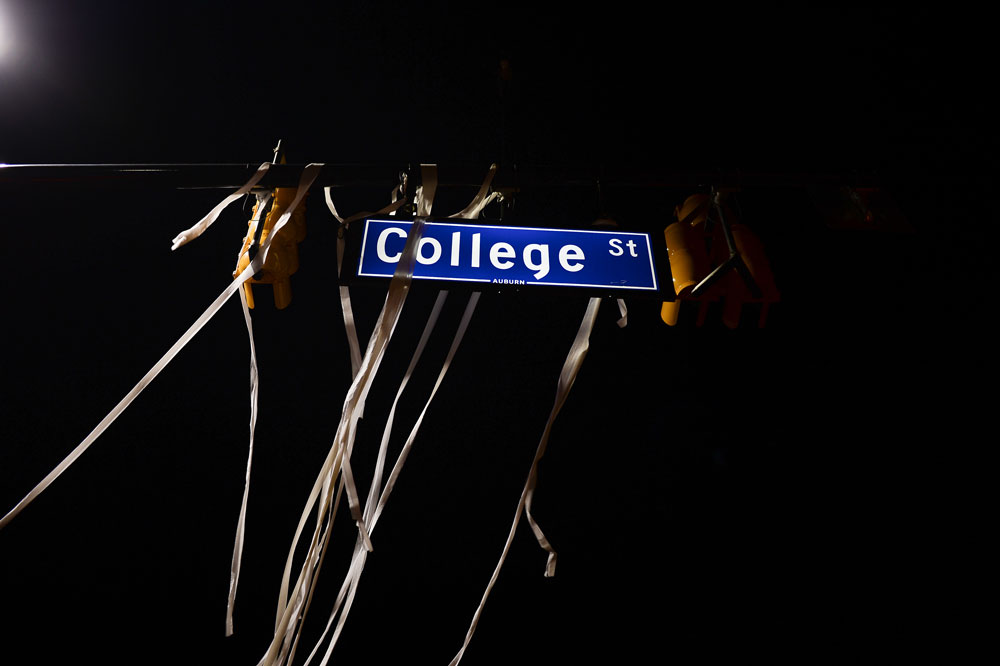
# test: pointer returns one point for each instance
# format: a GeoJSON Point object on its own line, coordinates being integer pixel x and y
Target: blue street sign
{"type": "Point", "coordinates": [512, 255]}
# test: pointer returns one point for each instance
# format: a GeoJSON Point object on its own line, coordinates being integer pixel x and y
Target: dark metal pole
{"type": "Point", "coordinates": [378, 175]}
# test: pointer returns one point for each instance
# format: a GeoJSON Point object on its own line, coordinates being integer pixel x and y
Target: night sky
{"type": "Point", "coordinates": [777, 494]}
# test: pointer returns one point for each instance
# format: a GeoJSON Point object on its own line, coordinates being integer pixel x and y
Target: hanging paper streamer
{"type": "Point", "coordinates": [345, 294]}
{"type": "Point", "coordinates": [308, 176]}
{"type": "Point", "coordinates": [570, 369]}
{"type": "Point", "coordinates": [623, 311]}
{"type": "Point", "coordinates": [291, 610]}
{"type": "Point", "coordinates": [204, 223]}
{"type": "Point", "coordinates": [336, 477]}
{"type": "Point", "coordinates": [234, 571]}
{"type": "Point", "coordinates": [337, 462]}
{"type": "Point", "coordinates": [372, 511]}
{"type": "Point", "coordinates": [481, 200]}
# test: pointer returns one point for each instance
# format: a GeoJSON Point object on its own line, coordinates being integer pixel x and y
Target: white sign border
{"type": "Point", "coordinates": [644, 236]}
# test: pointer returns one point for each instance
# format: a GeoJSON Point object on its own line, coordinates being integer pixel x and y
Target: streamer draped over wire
{"type": "Point", "coordinates": [336, 476]}
{"type": "Point", "coordinates": [308, 176]}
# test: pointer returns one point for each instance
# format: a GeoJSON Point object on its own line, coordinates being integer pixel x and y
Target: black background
{"type": "Point", "coordinates": [792, 493]}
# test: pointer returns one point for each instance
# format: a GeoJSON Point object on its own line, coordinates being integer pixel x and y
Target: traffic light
{"type": "Point", "coordinates": [751, 252]}
{"type": "Point", "coordinates": [283, 258]}
{"type": "Point", "coordinates": [708, 234]}
{"type": "Point", "coordinates": [687, 252]}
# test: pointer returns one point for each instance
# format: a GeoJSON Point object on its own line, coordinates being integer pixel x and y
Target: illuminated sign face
{"type": "Point", "coordinates": [512, 255]}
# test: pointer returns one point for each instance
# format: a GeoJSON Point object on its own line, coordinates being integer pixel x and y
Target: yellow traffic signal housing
{"type": "Point", "coordinates": [687, 252]}
{"type": "Point", "coordinates": [283, 258]}
{"type": "Point", "coordinates": [699, 239]}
